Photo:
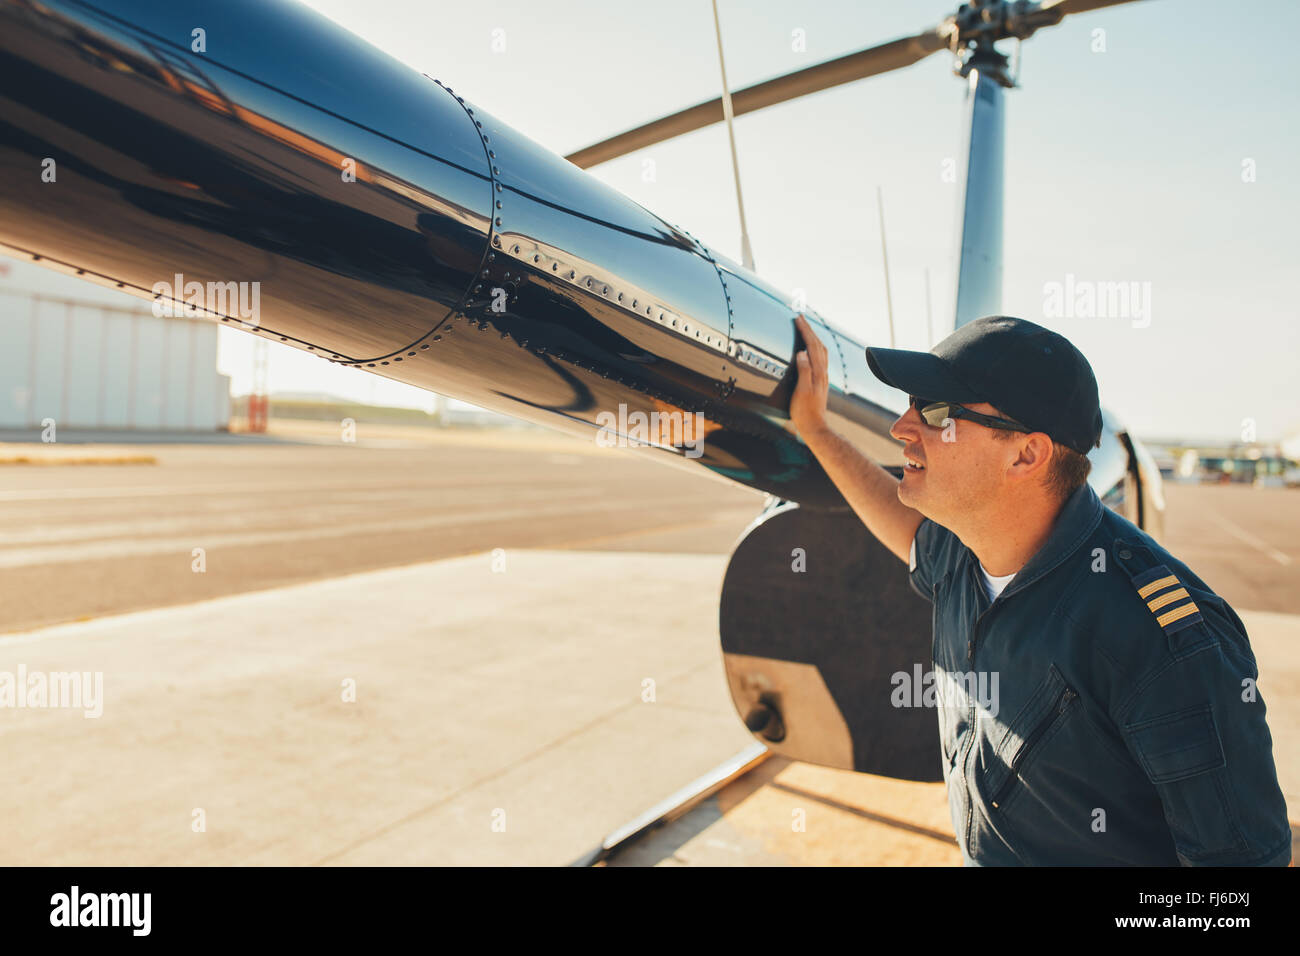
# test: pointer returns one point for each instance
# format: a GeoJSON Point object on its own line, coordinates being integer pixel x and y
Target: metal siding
{"type": "Point", "coordinates": [90, 357]}
{"type": "Point", "coordinates": [116, 360]}
{"type": "Point", "coordinates": [47, 357]}
{"type": "Point", "coordinates": [176, 373]}
{"type": "Point", "coordinates": [81, 367]}
{"type": "Point", "coordinates": [146, 391]}
{"type": "Point", "coordinates": [15, 365]}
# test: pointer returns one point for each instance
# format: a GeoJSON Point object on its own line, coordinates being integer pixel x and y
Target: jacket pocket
{"type": "Point", "coordinates": [1041, 716]}
{"type": "Point", "coordinates": [1176, 746]}
{"type": "Point", "coordinates": [1183, 757]}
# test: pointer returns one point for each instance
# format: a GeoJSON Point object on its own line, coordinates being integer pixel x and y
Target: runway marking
{"type": "Point", "coordinates": [1245, 536]}
{"type": "Point", "coordinates": [222, 516]}
{"type": "Point", "coordinates": [93, 550]}
{"type": "Point", "coordinates": [254, 488]}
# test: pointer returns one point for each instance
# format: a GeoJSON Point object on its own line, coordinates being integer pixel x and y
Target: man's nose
{"type": "Point", "coordinates": [907, 428]}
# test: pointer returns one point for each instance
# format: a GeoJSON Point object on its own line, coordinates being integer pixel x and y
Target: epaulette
{"type": "Point", "coordinates": [1166, 597]}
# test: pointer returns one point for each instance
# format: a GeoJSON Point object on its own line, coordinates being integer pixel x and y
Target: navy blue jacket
{"type": "Point", "coordinates": [1101, 711]}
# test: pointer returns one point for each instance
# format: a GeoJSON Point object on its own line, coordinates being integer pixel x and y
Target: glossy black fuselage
{"type": "Point", "coordinates": [394, 226]}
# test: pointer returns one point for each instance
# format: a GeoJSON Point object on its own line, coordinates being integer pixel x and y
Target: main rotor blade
{"type": "Point", "coordinates": [1067, 7]}
{"type": "Point", "coordinates": [855, 66]}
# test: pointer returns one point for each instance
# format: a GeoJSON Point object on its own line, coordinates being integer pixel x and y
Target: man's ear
{"type": "Point", "coordinates": [1034, 457]}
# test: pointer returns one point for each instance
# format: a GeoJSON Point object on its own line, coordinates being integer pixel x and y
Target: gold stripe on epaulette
{"type": "Point", "coordinates": [1157, 603]}
{"type": "Point", "coordinates": [1177, 614]}
{"type": "Point", "coordinates": [1155, 586]}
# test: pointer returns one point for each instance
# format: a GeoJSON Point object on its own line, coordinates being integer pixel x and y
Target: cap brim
{"type": "Point", "coordinates": [919, 373]}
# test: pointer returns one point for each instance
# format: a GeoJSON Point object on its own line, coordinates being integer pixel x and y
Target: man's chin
{"type": "Point", "coordinates": [911, 494]}
{"type": "Point", "coordinates": [908, 493]}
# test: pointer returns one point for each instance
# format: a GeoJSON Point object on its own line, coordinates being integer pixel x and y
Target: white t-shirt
{"type": "Point", "coordinates": [992, 585]}
{"type": "Point", "coordinates": [995, 585]}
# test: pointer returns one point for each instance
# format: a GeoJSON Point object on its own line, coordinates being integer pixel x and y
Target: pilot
{"type": "Point", "coordinates": [1127, 727]}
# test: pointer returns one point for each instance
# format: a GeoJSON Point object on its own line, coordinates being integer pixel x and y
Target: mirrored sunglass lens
{"type": "Point", "coordinates": [934, 413]}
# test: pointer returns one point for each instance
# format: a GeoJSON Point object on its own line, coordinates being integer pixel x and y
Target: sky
{"type": "Point", "coordinates": [1153, 143]}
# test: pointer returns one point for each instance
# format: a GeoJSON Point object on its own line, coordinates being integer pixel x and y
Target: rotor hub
{"type": "Point", "coordinates": [983, 22]}
{"type": "Point", "coordinates": [977, 26]}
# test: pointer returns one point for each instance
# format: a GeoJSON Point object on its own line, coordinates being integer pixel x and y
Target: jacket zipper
{"type": "Point", "coordinates": [1062, 701]}
{"type": "Point", "coordinates": [970, 733]}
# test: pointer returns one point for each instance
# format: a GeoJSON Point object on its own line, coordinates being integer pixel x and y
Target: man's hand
{"type": "Point", "coordinates": [870, 490]}
{"type": "Point", "coordinates": [808, 403]}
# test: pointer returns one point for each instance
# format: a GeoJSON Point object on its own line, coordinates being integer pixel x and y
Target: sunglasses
{"type": "Point", "coordinates": [935, 413]}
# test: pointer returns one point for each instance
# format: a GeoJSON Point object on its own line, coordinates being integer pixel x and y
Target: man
{"type": "Point", "coordinates": [1126, 728]}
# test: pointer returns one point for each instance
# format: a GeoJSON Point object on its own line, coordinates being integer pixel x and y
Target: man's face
{"type": "Point", "coordinates": [964, 465]}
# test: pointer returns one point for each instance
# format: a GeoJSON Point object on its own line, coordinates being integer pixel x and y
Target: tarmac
{"type": "Point", "coordinates": [507, 716]}
{"type": "Point", "coordinates": [81, 541]}
{"type": "Point", "coordinates": [479, 649]}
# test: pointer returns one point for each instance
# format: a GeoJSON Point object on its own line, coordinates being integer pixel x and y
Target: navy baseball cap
{"type": "Point", "coordinates": [1027, 372]}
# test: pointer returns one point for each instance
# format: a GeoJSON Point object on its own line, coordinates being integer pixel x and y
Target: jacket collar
{"type": "Point", "coordinates": [1075, 522]}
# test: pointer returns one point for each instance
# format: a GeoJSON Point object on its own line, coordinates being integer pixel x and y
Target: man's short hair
{"type": "Point", "coordinates": [1066, 472]}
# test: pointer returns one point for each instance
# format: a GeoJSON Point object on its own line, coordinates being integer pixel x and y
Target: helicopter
{"type": "Point", "coordinates": [395, 227]}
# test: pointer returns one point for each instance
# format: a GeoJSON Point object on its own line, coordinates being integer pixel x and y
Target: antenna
{"type": "Point", "coordinates": [884, 253]}
{"type": "Point", "coordinates": [746, 253]}
{"type": "Point", "coordinates": [929, 315]}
